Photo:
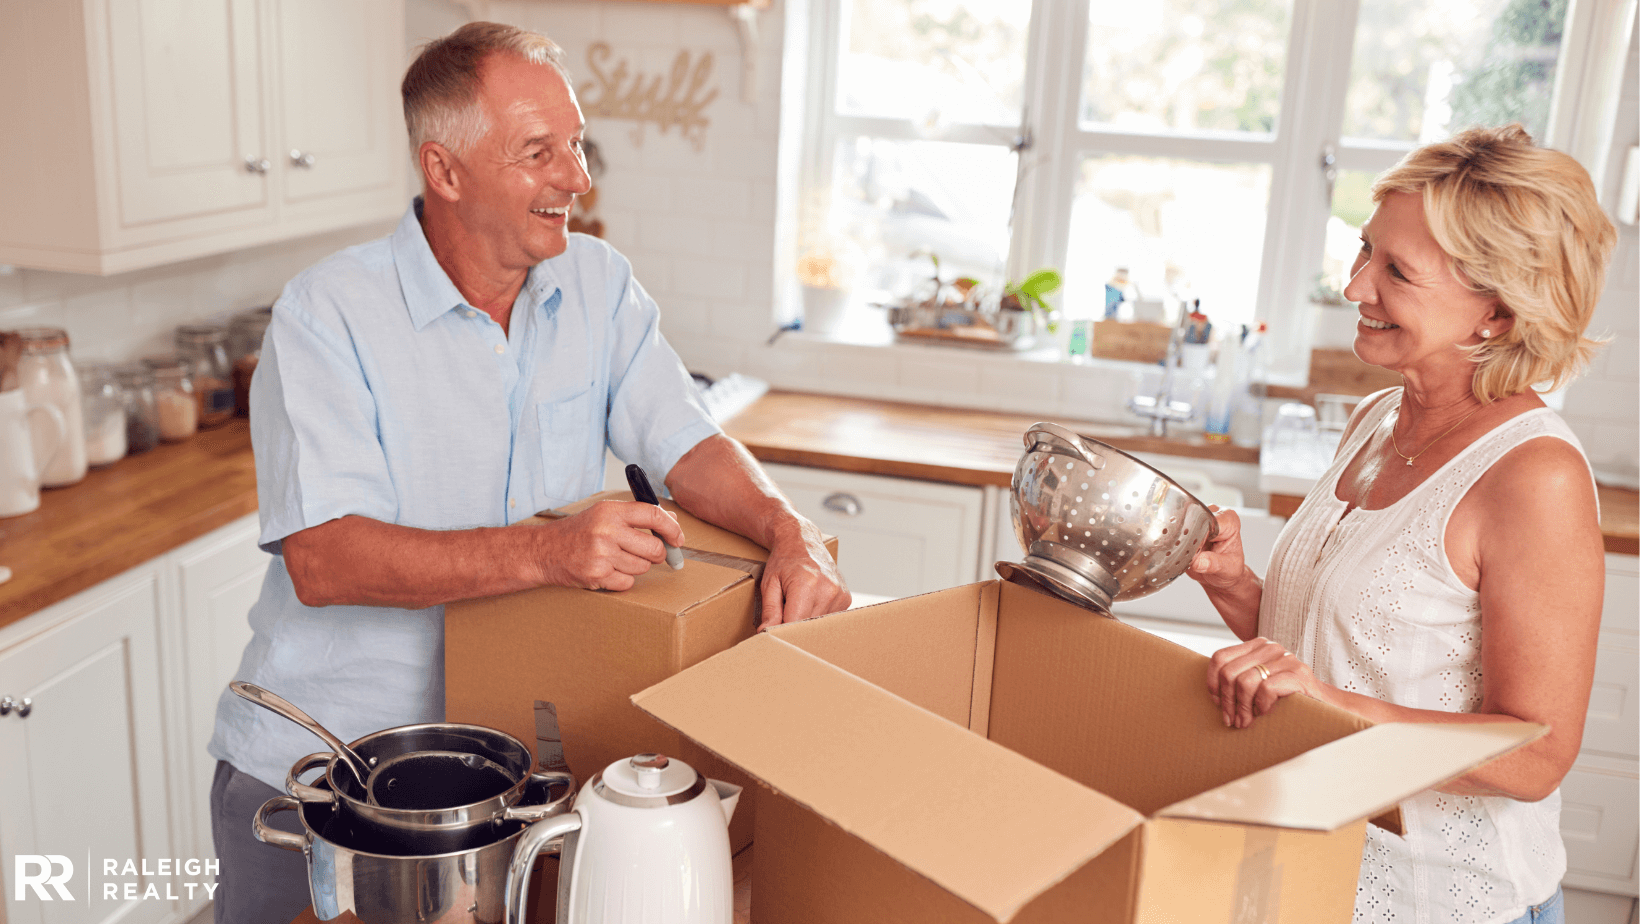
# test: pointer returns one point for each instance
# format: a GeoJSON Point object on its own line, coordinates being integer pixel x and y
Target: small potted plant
{"type": "Point", "coordinates": [1023, 309]}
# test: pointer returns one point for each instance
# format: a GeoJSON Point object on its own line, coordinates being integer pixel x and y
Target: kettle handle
{"type": "Point", "coordinates": [534, 840]}
{"type": "Point", "coordinates": [270, 835]}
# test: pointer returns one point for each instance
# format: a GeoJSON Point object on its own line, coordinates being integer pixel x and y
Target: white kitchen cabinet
{"type": "Point", "coordinates": [84, 773]}
{"type": "Point", "coordinates": [143, 132]}
{"type": "Point", "coordinates": [110, 762]}
{"type": "Point", "coordinates": [895, 536]}
{"type": "Point", "coordinates": [1600, 814]}
{"type": "Point", "coordinates": [219, 577]}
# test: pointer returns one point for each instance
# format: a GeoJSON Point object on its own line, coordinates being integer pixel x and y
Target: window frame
{"type": "Point", "coordinates": [1051, 142]}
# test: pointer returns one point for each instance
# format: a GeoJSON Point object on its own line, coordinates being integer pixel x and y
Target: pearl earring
{"type": "Point", "coordinates": [1486, 333]}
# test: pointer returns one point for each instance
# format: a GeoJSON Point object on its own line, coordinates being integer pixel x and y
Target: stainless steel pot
{"type": "Point", "coordinates": [434, 830]}
{"type": "Point", "coordinates": [456, 887]}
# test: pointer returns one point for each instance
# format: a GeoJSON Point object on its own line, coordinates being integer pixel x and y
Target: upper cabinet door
{"type": "Point", "coordinates": [186, 86]}
{"type": "Point", "coordinates": [339, 120]}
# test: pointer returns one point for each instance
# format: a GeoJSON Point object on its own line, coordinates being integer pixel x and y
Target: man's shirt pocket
{"type": "Point", "coordinates": [572, 441]}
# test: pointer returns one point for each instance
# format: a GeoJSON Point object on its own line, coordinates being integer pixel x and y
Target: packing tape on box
{"type": "Point", "coordinates": [1258, 881]}
{"type": "Point", "coordinates": [549, 741]}
{"type": "Point", "coordinates": [753, 568]}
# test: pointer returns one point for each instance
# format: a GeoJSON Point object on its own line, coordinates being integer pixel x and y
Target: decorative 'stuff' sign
{"type": "Point", "coordinates": [641, 99]}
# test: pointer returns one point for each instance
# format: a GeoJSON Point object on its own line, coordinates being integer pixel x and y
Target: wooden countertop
{"type": "Point", "coordinates": [136, 509]}
{"type": "Point", "coordinates": [1620, 519]}
{"type": "Point", "coordinates": [1619, 516]}
{"type": "Point", "coordinates": [147, 505]}
{"type": "Point", "coordinates": [922, 441]}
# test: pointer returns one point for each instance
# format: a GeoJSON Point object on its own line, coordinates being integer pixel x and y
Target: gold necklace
{"type": "Point", "coordinates": [1432, 442]}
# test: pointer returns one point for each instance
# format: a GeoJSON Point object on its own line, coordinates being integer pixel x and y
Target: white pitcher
{"type": "Point", "coordinates": [20, 460]}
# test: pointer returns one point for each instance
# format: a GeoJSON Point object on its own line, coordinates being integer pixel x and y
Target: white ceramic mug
{"type": "Point", "coordinates": [20, 460]}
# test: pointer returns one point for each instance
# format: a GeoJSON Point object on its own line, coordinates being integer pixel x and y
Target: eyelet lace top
{"type": "Point", "coordinates": [1368, 599]}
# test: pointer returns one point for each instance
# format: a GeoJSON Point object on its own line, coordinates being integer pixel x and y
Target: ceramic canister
{"type": "Point", "coordinates": [21, 461]}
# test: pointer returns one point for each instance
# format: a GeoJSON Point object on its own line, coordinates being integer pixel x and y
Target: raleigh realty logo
{"type": "Point", "coordinates": [49, 875]}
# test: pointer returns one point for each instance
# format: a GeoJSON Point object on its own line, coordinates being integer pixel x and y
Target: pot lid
{"type": "Point", "coordinates": [650, 776]}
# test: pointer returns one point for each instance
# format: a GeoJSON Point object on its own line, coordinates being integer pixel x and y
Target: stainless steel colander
{"type": "Point", "coordinates": [1098, 525]}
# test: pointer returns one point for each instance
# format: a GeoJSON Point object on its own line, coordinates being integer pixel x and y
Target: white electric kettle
{"type": "Point", "coordinates": [647, 841]}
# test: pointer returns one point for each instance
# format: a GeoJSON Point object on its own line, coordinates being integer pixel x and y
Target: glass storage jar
{"type": "Point", "coordinates": [175, 398]}
{"type": "Point", "coordinates": [104, 407]}
{"type": "Point", "coordinates": [47, 377]}
{"type": "Point", "coordinates": [204, 347]}
{"type": "Point", "coordinates": [141, 412]}
{"type": "Point", "coordinates": [245, 333]}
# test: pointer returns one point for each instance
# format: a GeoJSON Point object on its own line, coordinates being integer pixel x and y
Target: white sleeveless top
{"type": "Point", "coordinates": [1377, 610]}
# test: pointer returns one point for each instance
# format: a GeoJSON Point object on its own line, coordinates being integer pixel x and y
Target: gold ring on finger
{"type": "Point", "coordinates": [1263, 672]}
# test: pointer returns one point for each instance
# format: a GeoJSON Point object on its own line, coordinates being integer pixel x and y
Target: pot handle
{"type": "Point", "coordinates": [534, 840]}
{"type": "Point", "coordinates": [303, 791]}
{"type": "Point", "coordinates": [545, 809]}
{"type": "Point", "coordinates": [269, 835]}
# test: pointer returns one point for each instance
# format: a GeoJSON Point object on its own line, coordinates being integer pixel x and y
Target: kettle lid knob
{"type": "Point", "coordinates": [648, 769]}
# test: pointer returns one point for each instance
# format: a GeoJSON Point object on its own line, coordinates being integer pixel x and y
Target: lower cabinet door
{"type": "Point", "coordinates": [219, 578]}
{"type": "Point", "coordinates": [895, 536]}
{"type": "Point", "coordinates": [1600, 823]}
{"type": "Point", "coordinates": [83, 772]}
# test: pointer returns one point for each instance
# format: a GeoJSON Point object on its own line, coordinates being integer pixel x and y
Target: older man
{"type": "Point", "coordinates": [417, 392]}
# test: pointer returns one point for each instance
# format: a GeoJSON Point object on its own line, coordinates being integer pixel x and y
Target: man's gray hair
{"type": "Point", "coordinates": [441, 87]}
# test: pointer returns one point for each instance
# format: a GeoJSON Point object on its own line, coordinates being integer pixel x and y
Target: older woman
{"type": "Point", "coordinates": [1448, 567]}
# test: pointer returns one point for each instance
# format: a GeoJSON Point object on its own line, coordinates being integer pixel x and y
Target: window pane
{"type": "Point", "coordinates": [1184, 230]}
{"type": "Point", "coordinates": [1422, 71]}
{"type": "Point", "coordinates": [898, 199]}
{"type": "Point", "coordinates": [935, 61]}
{"type": "Point", "coordinates": [1351, 207]}
{"type": "Point", "coordinates": [1185, 65]}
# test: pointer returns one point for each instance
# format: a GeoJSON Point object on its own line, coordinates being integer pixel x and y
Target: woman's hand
{"type": "Point", "coordinates": [1221, 569]}
{"type": "Point", "coordinates": [1221, 563]}
{"type": "Point", "coordinates": [1246, 680]}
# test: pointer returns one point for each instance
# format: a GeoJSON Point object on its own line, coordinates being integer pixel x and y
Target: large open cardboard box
{"type": "Point", "coordinates": [988, 753]}
{"type": "Point", "coordinates": [587, 652]}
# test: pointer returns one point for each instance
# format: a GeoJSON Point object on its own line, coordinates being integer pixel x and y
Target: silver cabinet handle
{"type": "Point", "coordinates": [846, 504]}
{"type": "Point", "coordinates": [6, 704]}
{"type": "Point", "coordinates": [258, 165]}
{"type": "Point", "coordinates": [300, 158]}
{"type": "Point", "coordinates": [25, 707]}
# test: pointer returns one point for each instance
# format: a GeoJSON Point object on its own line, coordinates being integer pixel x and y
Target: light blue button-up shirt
{"type": "Point", "coordinates": [381, 393]}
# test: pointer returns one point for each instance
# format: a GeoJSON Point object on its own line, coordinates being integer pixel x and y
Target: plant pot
{"type": "Point", "coordinates": [824, 310]}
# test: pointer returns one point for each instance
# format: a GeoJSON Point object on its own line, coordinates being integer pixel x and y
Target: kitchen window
{"type": "Point", "coordinates": [1216, 149]}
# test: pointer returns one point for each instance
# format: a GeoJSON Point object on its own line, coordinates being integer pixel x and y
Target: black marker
{"type": "Point", "coordinates": [642, 492]}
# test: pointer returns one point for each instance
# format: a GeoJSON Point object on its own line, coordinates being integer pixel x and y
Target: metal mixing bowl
{"type": "Point", "coordinates": [1097, 524]}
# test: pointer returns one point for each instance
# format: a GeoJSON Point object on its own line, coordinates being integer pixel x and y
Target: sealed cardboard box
{"type": "Point", "coordinates": [587, 652]}
{"type": "Point", "coordinates": [991, 754]}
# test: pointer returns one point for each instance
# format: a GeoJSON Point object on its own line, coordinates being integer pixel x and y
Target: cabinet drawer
{"type": "Point", "coordinates": [1600, 822]}
{"type": "Point", "coordinates": [895, 537]}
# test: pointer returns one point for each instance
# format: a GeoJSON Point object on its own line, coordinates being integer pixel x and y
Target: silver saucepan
{"type": "Point", "coordinates": [460, 820]}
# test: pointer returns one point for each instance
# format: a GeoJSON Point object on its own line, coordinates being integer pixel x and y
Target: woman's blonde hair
{"type": "Point", "coordinates": [1522, 224]}
{"type": "Point", "coordinates": [440, 88]}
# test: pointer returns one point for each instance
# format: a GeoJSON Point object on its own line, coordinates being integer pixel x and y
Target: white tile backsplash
{"type": "Point", "coordinates": [122, 317]}
{"type": "Point", "coordinates": [709, 277]}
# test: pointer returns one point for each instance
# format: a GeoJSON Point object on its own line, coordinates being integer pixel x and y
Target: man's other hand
{"type": "Point", "coordinates": [800, 579]}
{"type": "Point", "coordinates": [607, 545]}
